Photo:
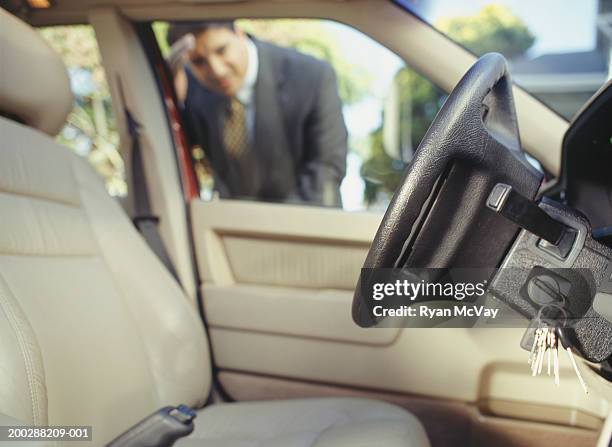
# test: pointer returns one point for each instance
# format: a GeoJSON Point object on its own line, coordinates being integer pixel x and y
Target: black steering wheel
{"type": "Point", "coordinates": [438, 216]}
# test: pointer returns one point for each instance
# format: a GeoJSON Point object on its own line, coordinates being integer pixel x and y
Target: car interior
{"type": "Point", "coordinates": [261, 326]}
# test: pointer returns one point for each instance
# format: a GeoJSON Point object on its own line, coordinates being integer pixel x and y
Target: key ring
{"type": "Point", "coordinates": [540, 316]}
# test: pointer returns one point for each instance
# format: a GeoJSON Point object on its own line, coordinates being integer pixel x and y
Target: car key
{"type": "Point", "coordinates": [545, 332]}
{"type": "Point", "coordinates": [563, 339]}
{"type": "Point", "coordinates": [555, 353]}
{"type": "Point", "coordinates": [536, 365]}
{"type": "Point", "coordinates": [549, 351]}
{"type": "Point", "coordinates": [531, 335]}
{"type": "Point", "coordinates": [546, 344]}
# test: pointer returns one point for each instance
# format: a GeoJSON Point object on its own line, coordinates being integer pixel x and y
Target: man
{"type": "Point", "coordinates": [268, 118]}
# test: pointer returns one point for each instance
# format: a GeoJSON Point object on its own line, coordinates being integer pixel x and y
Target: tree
{"type": "Point", "coordinates": [381, 173]}
{"type": "Point", "coordinates": [419, 101]}
{"type": "Point", "coordinates": [494, 28]}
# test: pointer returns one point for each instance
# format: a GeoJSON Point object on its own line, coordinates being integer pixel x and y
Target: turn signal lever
{"type": "Point", "coordinates": [161, 429]}
{"type": "Point", "coordinates": [556, 238]}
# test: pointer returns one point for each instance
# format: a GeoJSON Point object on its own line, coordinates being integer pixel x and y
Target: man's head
{"type": "Point", "coordinates": [218, 57]}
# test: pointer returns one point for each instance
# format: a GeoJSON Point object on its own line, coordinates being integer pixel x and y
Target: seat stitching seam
{"type": "Point", "coordinates": [25, 352]}
{"type": "Point", "coordinates": [51, 255]}
{"type": "Point", "coordinates": [11, 192]}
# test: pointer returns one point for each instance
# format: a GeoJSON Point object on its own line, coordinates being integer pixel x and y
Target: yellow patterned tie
{"type": "Point", "coordinates": [234, 130]}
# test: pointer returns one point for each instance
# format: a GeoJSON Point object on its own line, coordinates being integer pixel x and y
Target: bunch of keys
{"type": "Point", "coordinates": [546, 345]}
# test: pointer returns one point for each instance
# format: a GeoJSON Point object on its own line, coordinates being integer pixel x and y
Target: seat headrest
{"type": "Point", "coordinates": [34, 83]}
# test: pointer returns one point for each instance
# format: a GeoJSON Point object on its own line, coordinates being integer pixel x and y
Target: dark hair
{"type": "Point", "coordinates": [177, 30]}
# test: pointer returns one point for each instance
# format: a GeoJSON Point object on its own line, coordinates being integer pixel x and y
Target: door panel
{"type": "Point", "coordinates": [277, 289]}
{"type": "Point", "coordinates": [291, 269]}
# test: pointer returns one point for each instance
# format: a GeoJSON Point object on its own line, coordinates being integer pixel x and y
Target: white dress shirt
{"type": "Point", "coordinates": [246, 92]}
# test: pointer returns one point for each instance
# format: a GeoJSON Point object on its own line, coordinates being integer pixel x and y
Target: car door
{"type": "Point", "coordinates": [276, 287]}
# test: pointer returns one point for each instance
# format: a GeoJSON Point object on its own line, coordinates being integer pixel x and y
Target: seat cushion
{"type": "Point", "coordinates": [338, 422]}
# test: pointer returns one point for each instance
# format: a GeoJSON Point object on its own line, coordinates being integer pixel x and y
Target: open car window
{"type": "Point", "coordinates": [385, 105]}
{"type": "Point", "coordinates": [558, 50]}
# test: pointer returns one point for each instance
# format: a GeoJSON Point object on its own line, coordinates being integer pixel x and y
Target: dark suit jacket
{"type": "Point", "coordinates": [300, 139]}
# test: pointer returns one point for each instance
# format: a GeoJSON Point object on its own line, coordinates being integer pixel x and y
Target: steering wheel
{"type": "Point", "coordinates": [438, 217]}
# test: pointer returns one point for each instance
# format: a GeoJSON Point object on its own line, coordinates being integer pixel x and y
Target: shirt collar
{"type": "Point", "coordinates": [245, 93]}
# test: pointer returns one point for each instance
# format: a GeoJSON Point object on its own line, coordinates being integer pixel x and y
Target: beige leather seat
{"type": "Point", "coordinates": [93, 330]}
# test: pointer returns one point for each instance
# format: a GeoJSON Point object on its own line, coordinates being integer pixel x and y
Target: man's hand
{"type": "Point", "coordinates": [177, 59]}
{"type": "Point", "coordinates": [179, 52]}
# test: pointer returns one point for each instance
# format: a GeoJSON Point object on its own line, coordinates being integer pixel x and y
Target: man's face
{"type": "Point", "coordinates": [219, 59]}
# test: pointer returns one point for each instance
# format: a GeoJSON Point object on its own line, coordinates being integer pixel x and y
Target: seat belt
{"type": "Point", "coordinates": [144, 219]}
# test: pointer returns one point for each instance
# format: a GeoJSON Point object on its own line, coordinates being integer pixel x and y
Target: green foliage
{"type": "Point", "coordinates": [90, 126]}
{"type": "Point", "coordinates": [420, 101]}
{"type": "Point", "coordinates": [79, 49]}
{"type": "Point", "coordinates": [494, 28]}
{"type": "Point", "coordinates": [380, 172]}
{"type": "Point", "coordinates": [160, 29]}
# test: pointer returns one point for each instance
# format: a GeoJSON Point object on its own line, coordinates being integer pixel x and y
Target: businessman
{"type": "Point", "coordinates": [268, 118]}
